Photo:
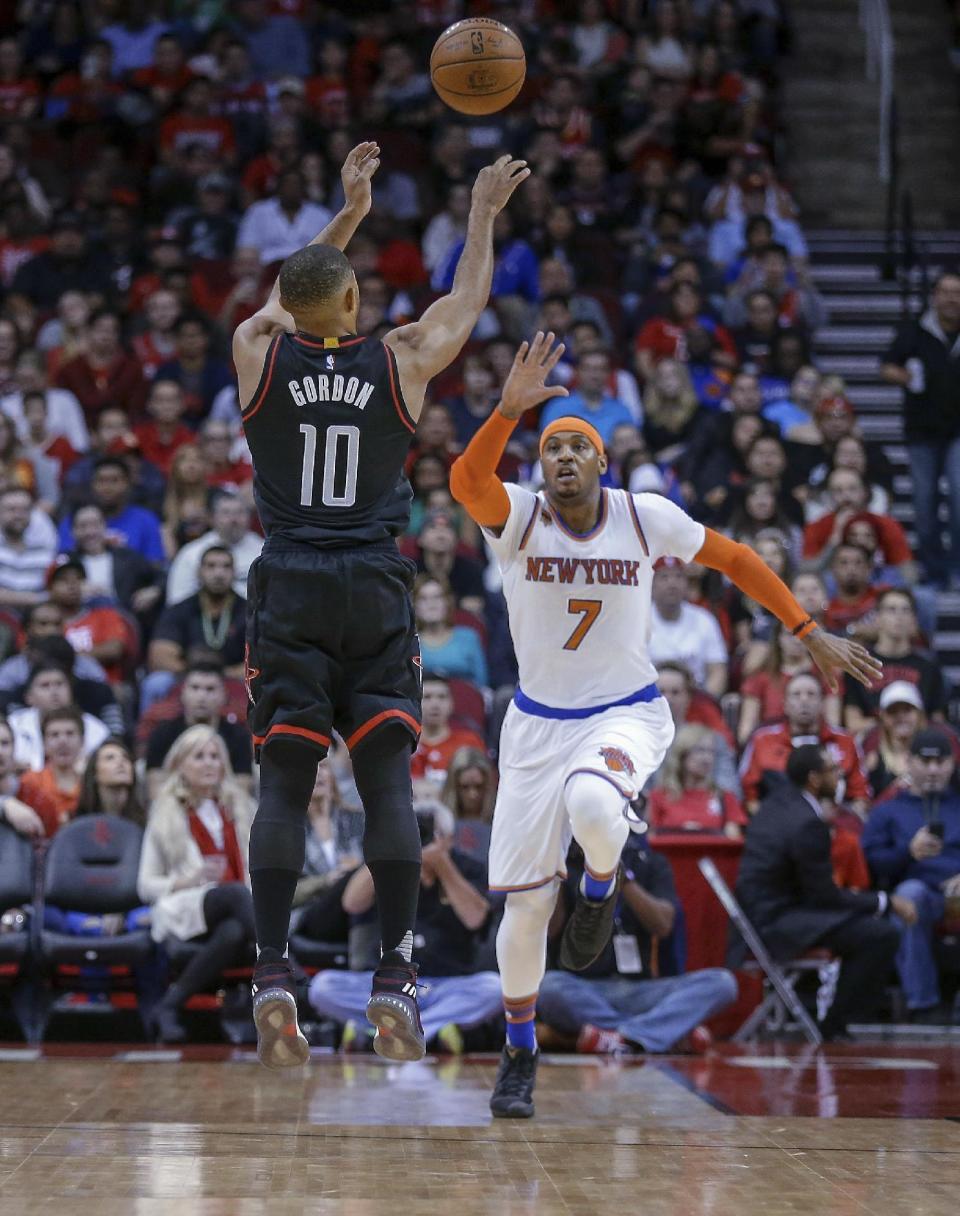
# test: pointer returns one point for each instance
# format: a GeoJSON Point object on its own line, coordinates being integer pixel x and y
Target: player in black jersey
{"type": "Point", "coordinates": [328, 415]}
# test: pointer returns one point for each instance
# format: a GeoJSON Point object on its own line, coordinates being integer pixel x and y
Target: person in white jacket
{"type": "Point", "coordinates": [193, 867]}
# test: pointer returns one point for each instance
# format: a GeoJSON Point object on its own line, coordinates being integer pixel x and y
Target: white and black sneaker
{"type": "Point", "coordinates": [512, 1096]}
{"type": "Point", "coordinates": [393, 1009]}
{"type": "Point", "coordinates": [279, 1041]}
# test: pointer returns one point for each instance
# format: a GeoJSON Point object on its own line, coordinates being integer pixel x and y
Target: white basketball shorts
{"type": "Point", "coordinates": [531, 828]}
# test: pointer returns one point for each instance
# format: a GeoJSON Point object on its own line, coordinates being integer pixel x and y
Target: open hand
{"type": "Point", "coordinates": [834, 655]}
{"type": "Point", "coordinates": [496, 183]}
{"type": "Point", "coordinates": [525, 387]}
{"type": "Point", "coordinates": [358, 170]}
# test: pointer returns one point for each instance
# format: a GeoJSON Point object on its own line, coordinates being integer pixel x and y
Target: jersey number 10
{"type": "Point", "coordinates": [335, 466]}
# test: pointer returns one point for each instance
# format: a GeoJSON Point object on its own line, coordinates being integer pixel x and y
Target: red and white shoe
{"type": "Point", "coordinates": [593, 1041]}
{"type": "Point", "coordinates": [697, 1043]}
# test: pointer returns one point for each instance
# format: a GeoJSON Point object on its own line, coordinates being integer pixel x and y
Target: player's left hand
{"type": "Point", "coordinates": [358, 169]}
{"type": "Point", "coordinates": [526, 384]}
{"type": "Point", "coordinates": [834, 655]}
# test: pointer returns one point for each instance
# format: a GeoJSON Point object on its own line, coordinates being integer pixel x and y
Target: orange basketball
{"type": "Point", "coordinates": [478, 66]}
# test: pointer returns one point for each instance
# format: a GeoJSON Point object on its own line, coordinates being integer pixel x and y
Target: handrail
{"type": "Point", "coordinates": [876, 25]}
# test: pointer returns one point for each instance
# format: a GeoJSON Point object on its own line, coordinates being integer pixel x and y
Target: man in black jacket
{"type": "Point", "coordinates": [787, 890]}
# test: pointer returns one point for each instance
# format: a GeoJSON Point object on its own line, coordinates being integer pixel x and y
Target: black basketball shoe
{"type": "Point", "coordinates": [393, 1009]}
{"type": "Point", "coordinates": [279, 1041]}
{"type": "Point", "coordinates": [512, 1096]}
{"type": "Point", "coordinates": [588, 929]}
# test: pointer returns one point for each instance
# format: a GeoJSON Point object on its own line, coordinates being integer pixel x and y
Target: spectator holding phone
{"type": "Point", "coordinates": [912, 845]}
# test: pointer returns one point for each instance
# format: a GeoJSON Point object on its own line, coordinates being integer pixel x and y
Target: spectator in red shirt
{"type": "Point", "coordinates": [99, 630]}
{"type": "Point", "coordinates": [160, 438]}
{"type": "Point", "coordinates": [195, 122]}
{"type": "Point", "coordinates": [665, 337]}
{"type": "Point", "coordinates": [229, 293]}
{"type": "Point", "coordinates": [167, 76]}
{"type": "Point", "coordinates": [770, 746]}
{"type": "Point", "coordinates": [90, 95]}
{"type": "Point", "coordinates": [243, 98]}
{"type": "Point", "coordinates": [439, 741]}
{"type": "Point", "coordinates": [56, 786]}
{"type": "Point", "coordinates": [283, 151]}
{"type": "Point", "coordinates": [762, 692]}
{"type": "Point", "coordinates": [849, 494]}
{"type": "Point", "coordinates": [851, 609]}
{"type": "Point", "coordinates": [106, 375]}
{"type": "Point", "coordinates": [156, 344]}
{"type": "Point", "coordinates": [687, 798]}
{"type": "Point", "coordinates": [224, 472]}
{"type": "Point", "coordinates": [39, 440]}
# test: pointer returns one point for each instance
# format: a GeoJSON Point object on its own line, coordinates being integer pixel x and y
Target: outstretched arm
{"type": "Point", "coordinates": [251, 339]}
{"type": "Point", "coordinates": [426, 347]}
{"type": "Point", "coordinates": [473, 478]}
{"type": "Point", "coordinates": [747, 571]}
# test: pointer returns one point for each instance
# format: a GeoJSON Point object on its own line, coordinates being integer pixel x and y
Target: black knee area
{"type": "Point", "coordinates": [288, 770]}
{"type": "Point", "coordinates": [381, 769]}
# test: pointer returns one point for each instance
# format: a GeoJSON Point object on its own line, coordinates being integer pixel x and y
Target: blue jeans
{"type": "Point", "coordinates": [928, 462]}
{"type": "Point", "coordinates": [656, 1014]}
{"type": "Point", "coordinates": [916, 965]}
{"type": "Point", "coordinates": [465, 1000]}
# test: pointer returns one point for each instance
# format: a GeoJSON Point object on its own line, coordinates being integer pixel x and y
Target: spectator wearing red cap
{"type": "Point", "coordinates": [769, 748]}
{"type": "Point", "coordinates": [683, 632]}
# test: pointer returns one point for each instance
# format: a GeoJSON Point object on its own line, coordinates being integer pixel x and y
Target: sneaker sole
{"type": "Point", "coordinates": [396, 1038]}
{"type": "Point", "coordinates": [512, 1113]}
{"type": "Point", "coordinates": [279, 1041]}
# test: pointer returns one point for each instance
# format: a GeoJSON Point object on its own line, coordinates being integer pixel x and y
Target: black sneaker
{"type": "Point", "coordinates": [589, 929]}
{"type": "Point", "coordinates": [279, 1041]}
{"type": "Point", "coordinates": [393, 1009]}
{"type": "Point", "coordinates": [512, 1096]}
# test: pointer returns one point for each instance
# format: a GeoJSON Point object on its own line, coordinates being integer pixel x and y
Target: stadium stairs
{"type": "Point", "coordinates": [864, 311]}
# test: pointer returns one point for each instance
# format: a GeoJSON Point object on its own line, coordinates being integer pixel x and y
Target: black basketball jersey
{"type": "Point", "coordinates": [329, 434]}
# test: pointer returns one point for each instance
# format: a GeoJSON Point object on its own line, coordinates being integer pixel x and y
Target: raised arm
{"type": "Point", "coordinates": [745, 569]}
{"type": "Point", "coordinates": [473, 478]}
{"type": "Point", "coordinates": [426, 347]}
{"type": "Point", "coordinates": [253, 336]}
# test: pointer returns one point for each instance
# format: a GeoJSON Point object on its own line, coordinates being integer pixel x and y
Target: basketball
{"type": "Point", "coordinates": [478, 66]}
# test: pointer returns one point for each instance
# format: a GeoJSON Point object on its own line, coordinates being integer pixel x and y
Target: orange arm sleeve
{"type": "Point", "coordinates": [473, 478]}
{"type": "Point", "coordinates": [754, 578]}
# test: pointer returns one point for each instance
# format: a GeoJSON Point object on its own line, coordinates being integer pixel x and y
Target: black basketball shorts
{"type": "Point", "coordinates": [331, 644]}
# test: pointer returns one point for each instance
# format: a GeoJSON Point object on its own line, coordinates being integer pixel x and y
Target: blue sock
{"type": "Point", "coordinates": [520, 1024]}
{"type": "Point", "coordinates": [596, 888]}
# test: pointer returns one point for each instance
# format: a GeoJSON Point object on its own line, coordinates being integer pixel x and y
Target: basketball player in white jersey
{"type": "Point", "coordinates": [588, 725]}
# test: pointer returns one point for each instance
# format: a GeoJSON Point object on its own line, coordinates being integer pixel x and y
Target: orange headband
{"type": "Point", "coordinates": [571, 423]}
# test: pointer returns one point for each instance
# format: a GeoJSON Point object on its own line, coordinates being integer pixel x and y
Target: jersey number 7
{"type": "Point", "coordinates": [333, 462]}
{"type": "Point", "coordinates": [590, 610]}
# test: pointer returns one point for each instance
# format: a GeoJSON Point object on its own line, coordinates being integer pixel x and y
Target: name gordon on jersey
{"type": "Point", "coordinates": [349, 389]}
{"type": "Point", "coordinates": [597, 570]}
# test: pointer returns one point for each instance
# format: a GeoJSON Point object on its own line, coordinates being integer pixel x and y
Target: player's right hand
{"type": "Point", "coordinates": [358, 169]}
{"type": "Point", "coordinates": [496, 183]}
{"type": "Point", "coordinates": [526, 385]}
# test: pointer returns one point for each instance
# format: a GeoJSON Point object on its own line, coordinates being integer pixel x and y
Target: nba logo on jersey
{"type": "Point", "coordinates": [330, 362]}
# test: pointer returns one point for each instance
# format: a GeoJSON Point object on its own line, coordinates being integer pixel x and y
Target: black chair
{"type": "Point", "coordinates": [91, 867]}
{"type": "Point", "coordinates": [17, 890]}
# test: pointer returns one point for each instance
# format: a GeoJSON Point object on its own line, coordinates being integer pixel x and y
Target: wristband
{"type": "Point", "coordinates": [804, 629]}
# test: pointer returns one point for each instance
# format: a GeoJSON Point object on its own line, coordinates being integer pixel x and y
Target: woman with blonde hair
{"type": "Point", "coordinates": [687, 799]}
{"type": "Point", "coordinates": [186, 506]}
{"type": "Point", "coordinates": [670, 406]}
{"type": "Point", "coordinates": [469, 792]}
{"type": "Point", "coordinates": [193, 868]}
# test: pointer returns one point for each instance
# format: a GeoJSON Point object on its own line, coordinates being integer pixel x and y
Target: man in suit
{"type": "Point", "coordinates": [787, 890]}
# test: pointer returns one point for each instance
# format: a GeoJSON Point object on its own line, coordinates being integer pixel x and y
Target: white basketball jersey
{"type": "Point", "coordinates": [579, 606]}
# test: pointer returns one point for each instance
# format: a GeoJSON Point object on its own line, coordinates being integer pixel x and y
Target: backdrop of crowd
{"type": "Point", "coordinates": [159, 160]}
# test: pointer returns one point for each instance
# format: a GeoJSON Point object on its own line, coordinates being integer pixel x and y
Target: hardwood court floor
{"type": "Point", "coordinates": [738, 1133]}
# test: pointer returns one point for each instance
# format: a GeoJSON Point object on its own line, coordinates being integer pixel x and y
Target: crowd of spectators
{"type": "Point", "coordinates": [157, 162]}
